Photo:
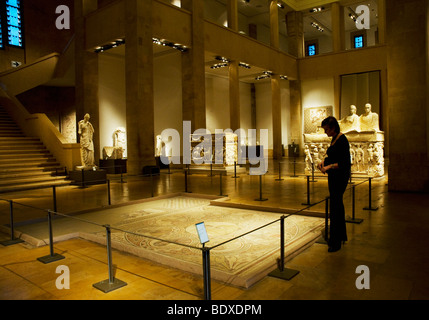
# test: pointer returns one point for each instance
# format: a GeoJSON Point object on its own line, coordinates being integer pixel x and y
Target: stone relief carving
{"type": "Point", "coordinates": [366, 144]}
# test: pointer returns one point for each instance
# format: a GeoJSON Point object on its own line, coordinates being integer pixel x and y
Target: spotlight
{"type": "Point", "coordinates": [244, 65]}
{"type": "Point", "coordinates": [318, 9]}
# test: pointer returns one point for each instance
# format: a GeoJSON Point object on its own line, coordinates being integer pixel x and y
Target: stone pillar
{"type": "Point", "coordinates": [296, 113]}
{"type": "Point", "coordinates": [139, 85]}
{"type": "Point", "coordinates": [381, 21]}
{"type": "Point", "coordinates": [337, 97]}
{"type": "Point", "coordinates": [274, 24]}
{"type": "Point", "coordinates": [407, 73]}
{"type": "Point", "coordinates": [295, 32]}
{"type": "Point", "coordinates": [234, 95]}
{"type": "Point", "coordinates": [277, 117]}
{"type": "Point", "coordinates": [193, 69]}
{"type": "Point", "coordinates": [86, 74]}
{"type": "Point", "coordinates": [338, 29]}
{"type": "Point", "coordinates": [234, 83]}
{"type": "Point", "coordinates": [232, 9]}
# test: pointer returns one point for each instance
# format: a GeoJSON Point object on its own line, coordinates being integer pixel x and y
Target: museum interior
{"type": "Point", "coordinates": [184, 136]}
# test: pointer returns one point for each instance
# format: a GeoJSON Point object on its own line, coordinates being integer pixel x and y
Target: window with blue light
{"type": "Point", "coordinates": [359, 41]}
{"type": "Point", "coordinates": [312, 50]}
{"type": "Point", "coordinates": [14, 23]}
{"type": "Point", "coordinates": [1, 34]}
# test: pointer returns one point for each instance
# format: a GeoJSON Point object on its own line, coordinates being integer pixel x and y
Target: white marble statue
{"type": "Point", "coordinates": [350, 122]}
{"type": "Point", "coordinates": [86, 133]}
{"type": "Point", "coordinates": [119, 145]}
{"type": "Point", "coordinates": [158, 146]}
{"type": "Point", "coordinates": [369, 120]}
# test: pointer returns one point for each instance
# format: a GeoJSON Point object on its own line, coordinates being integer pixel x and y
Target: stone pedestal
{"type": "Point", "coordinates": [87, 177]}
{"type": "Point", "coordinates": [366, 151]}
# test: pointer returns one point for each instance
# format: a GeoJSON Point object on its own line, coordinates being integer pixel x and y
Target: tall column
{"type": "Point", "coordinates": [234, 95]}
{"type": "Point", "coordinates": [277, 117]}
{"type": "Point", "coordinates": [193, 69]}
{"type": "Point", "coordinates": [274, 24]}
{"type": "Point", "coordinates": [408, 84]}
{"type": "Point", "coordinates": [381, 21]}
{"type": "Point", "coordinates": [139, 85]}
{"type": "Point", "coordinates": [234, 72]}
{"type": "Point", "coordinates": [295, 30]}
{"type": "Point", "coordinates": [296, 112]}
{"type": "Point", "coordinates": [338, 30]}
{"type": "Point", "coordinates": [86, 74]}
{"type": "Point", "coordinates": [232, 10]}
{"type": "Point", "coordinates": [337, 96]}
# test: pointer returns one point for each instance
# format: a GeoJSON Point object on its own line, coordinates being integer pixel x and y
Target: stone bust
{"type": "Point", "coordinates": [351, 122]}
{"type": "Point", "coordinates": [369, 120]}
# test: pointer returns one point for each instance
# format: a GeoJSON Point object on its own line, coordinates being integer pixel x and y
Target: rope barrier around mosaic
{"type": "Point", "coordinates": [111, 283]}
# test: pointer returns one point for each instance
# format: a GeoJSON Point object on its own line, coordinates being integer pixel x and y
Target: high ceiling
{"type": "Point", "coordinates": [259, 9]}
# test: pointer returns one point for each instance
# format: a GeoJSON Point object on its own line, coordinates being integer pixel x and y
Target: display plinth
{"type": "Point", "coordinates": [366, 151]}
{"type": "Point", "coordinates": [114, 166]}
{"type": "Point", "coordinates": [88, 177]}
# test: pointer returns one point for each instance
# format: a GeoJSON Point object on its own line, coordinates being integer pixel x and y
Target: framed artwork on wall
{"type": "Point", "coordinates": [314, 116]}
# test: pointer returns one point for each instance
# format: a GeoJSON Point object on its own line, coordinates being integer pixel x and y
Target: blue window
{"type": "Point", "coordinates": [14, 26]}
{"type": "Point", "coordinates": [1, 34]}
{"type": "Point", "coordinates": [311, 50]}
{"type": "Point", "coordinates": [359, 41]}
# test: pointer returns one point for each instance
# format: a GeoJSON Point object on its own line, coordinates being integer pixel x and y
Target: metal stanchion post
{"type": "Point", "coordinates": [54, 198]}
{"type": "Point", "coordinates": [312, 173]}
{"type": "Point", "coordinates": [326, 236]}
{"type": "Point", "coordinates": [220, 185]}
{"type": "Point", "coordinates": [206, 273]}
{"type": "Point", "coordinates": [308, 192]}
{"type": "Point", "coordinates": [53, 256]}
{"type": "Point", "coordinates": [280, 173]}
{"type": "Point", "coordinates": [282, 272]}
{"type": "Point", "coordinates": [12, 240]}
{"type": "Point", "coordinates": [211, 170]}
{"type": "Point", "coordinates": [235, 170]}
{"type": "Point", "coordinates": [151, 182]}
{"type": "Point", "coordinates": [260, 190]}
{"type": "Point", "coordinates": [370, 200]}
{"type": "Point", "coordinates": [108, 192]}
{"type": "Point", "coordinates": [186, 182]}
{"type": "Point", "coordinates": [112, 283]}
{"type": "Point", "coordinates": [353, 220]}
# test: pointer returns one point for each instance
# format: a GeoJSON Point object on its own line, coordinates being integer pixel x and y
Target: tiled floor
{"type": "Point", "coordinates": [392, 242]}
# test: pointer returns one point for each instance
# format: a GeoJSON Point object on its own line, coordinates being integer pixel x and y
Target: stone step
{"type": "Point", "coordinates": [36, 158]}
{"type": "Point", "coordinates": [19, 140]}
{"type": "Point", "coordinates": [26, 174]}
{"type": "Point", "coordinates": [28, 180]}
{"type": "Point", "coordinates": [14, 156]}
{"type": "Point", "coordinates": [31, 186]}
{"type": "Point", "coordinates": [28, 170]}
{"type": "Point", "coordinates": [21, 152]}
{"type": "Point", "coordinates": [29, 164]}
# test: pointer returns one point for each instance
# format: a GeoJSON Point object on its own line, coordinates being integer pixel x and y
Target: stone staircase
{"type": "Point", "coordinates": [25, 163]}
